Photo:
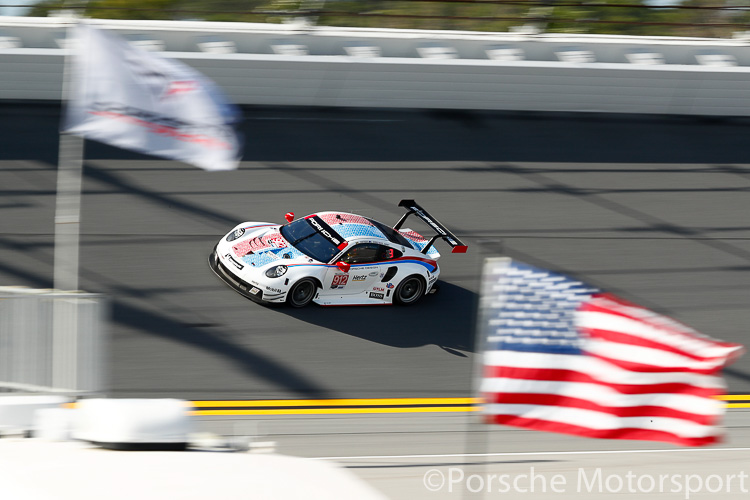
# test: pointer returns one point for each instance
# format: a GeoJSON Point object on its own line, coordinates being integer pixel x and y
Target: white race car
{"type": "Point", "coordinates": [332, 259]}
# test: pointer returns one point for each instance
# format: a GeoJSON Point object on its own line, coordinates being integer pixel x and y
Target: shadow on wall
{"type": "Point", "coordinates": [30, 131]}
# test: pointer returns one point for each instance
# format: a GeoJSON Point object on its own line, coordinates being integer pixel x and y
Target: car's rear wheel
{"type": "Point", "coordinates": [409, 291]}
{"type": "Point", "coordinates": [301, 293]}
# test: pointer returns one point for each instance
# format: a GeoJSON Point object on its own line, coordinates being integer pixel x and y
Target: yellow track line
{"type": "Point", "coordinates": [338, 402]}
{"type": "Point", "coordinates": [375, 405]}
{"type": "Point", "coordinates": [331, 411]}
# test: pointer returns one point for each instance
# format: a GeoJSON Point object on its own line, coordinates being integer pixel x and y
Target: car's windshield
{"type": "Point", "coordinates": [316, 240]}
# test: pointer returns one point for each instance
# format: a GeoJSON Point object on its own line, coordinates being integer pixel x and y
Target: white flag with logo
{"type": "Point", "coordinates": [127, 97]}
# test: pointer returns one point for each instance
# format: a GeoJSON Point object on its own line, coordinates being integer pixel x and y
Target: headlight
{"type": "Point", "coordinates": [276, 271]}
{"type": "Point", "coordinates": [236, 234]}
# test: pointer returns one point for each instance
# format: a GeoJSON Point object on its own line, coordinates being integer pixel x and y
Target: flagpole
{"type": "Point", "coordinates": [67, 241]}
{"type": "Point", "coordinates": [68, 198]}
{"type": "Point", "coordinates": [68, 212]}
{"type": "Point", "coordinates": [476, 440]}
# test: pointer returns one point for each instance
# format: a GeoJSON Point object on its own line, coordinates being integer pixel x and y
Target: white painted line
{"type": "Point", "coordinates": [532, 453]}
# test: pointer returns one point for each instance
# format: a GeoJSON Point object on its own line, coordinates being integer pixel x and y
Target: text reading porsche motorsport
{"type": "Point", "coordinates": [333, 258]}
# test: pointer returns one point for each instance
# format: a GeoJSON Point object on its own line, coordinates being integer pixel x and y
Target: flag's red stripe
{"type": "Point", "coordinates": [610, 304]}
{"type": "Point", "coordinates": [622, 433]}
{"type": "Point", "coordinates": [644, 368]}
{"type": "Point", "coordinates": [585, 404]}
{"type": "Point", "coordinates": [558, 375]}
{"type": "Point", "coordinates": [671, 345]}
{"type": "Point", "coordinates": [615, 307]}
{"type": "Point", "coordinates": [629, 339]}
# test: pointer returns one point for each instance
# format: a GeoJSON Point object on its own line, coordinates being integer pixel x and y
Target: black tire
{"type": "Point", "coordinates": [409, 291]}
{"type": "Point", "coordinates": [301, 293]}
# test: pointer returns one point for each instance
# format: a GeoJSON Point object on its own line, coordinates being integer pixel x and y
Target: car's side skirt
{"type": "Point", "coordinates": [358, 299]}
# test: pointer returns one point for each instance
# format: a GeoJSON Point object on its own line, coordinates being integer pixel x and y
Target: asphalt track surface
{"type": "Point", "coordinates": [652, 208]}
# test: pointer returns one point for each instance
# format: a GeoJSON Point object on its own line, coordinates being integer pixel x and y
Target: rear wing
{"type": "Point", "coordinates": [442, 232]}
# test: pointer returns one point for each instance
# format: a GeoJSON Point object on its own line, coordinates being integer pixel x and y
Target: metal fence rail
{"type": "Point", "coordinates": [51, 341]}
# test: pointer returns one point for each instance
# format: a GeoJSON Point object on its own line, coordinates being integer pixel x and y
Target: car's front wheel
{"type": "Point", "coordinates": [409, 291]}
{"type": "Point", "coordinates": [301, 293]}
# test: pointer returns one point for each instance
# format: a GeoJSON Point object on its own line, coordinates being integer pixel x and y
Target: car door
{"type": "Point", "coordinates": [364, 273]}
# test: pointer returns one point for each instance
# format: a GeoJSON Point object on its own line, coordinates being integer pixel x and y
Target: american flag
{"type": "Point", "coordinates": [561, 356]}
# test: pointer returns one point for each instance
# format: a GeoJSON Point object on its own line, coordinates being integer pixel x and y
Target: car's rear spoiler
{"type": "Point", "coordinates": [442, 232]}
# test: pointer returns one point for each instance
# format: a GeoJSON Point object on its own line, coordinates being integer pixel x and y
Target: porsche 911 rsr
{"type": "Point", "coordinates": [333, 258]}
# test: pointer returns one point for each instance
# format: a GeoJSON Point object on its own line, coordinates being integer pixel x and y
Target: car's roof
{"type": "Point", "coordinates": [353, 227]}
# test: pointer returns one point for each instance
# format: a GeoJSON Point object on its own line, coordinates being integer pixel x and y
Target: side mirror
{"type": "Point", "coordinates": [343, 266]}
{"type": "Point", "coordinates": [289, 216]}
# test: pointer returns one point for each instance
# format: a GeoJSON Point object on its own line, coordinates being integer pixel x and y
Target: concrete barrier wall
{"type": "Point", "coordinates": [31, 74]}
{"type": "Point", "coordinates": [539, 82]}
{"type": "Point", "coordinates": [52, 341]}
{"type": "Point", "coordinates": [36, 74]}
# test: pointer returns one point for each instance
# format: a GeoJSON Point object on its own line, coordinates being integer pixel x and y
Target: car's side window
{"type": "Point", "coordinates": [370, 252]}
{"type": "Point", "coordinates": [362, 254]}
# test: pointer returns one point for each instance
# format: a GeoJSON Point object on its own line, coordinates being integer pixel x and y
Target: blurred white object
{"type": "Point", "coordinates": [63, 41]}
{"type": "Point", "coordinates": [575, 55]}
{"type": "Point", "coordinates": [526, 29]}
{"type": "Point", "coordinates": [715, 59]}
{"type": "Point", "coordinates": [9, 42]}
{"type": "Point", "coordinates": [54, 424]}
{"type": "Point", "coordinates": [644, 56]}
{"type": "Point", "coordinates": [17, 413]}
{"type": "Point", "coordinates": [216, 45]}
{"type": "Point", "coordinates": [146, 42]}
{"type": "Point", "coordinates": [113, 73]}
{"type": "Point", "coordinates": [207, 441]}
{"type": "Point", "coordinates": [38, 470]}
{"type": "Point", "coordinates": [288, 48]}
{"type": "Point", "coordinates": [261, 446]}
{"type": "Point", "coordinates": [114, 422]}
{"type": "Point", "coordinates": [65, 13]}
{"type": "Point", "coordinates": [361, 49]}
{"type": "Point", "coordinates": [505, 53]}
{"type": "Point", "coordinates": [298, 22]}
{"type": "Point", "coordinates": [434, 50]}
